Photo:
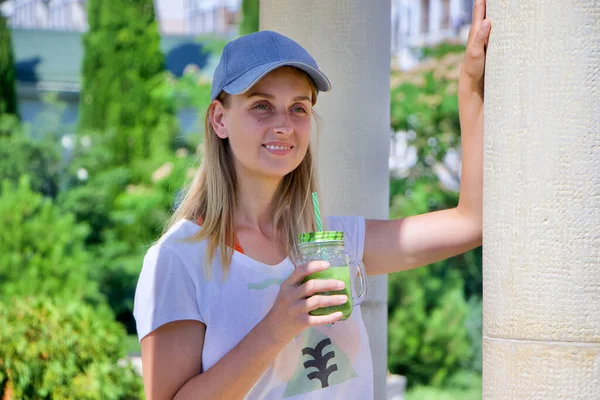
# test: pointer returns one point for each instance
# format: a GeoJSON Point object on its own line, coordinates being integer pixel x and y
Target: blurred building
{"type": "Point", "coordinates": [48, 50]}
{"type": "Point", "coordinates": [47, 14]}
{"type": "Point", "coordinates": [175, 17]}
{"type": "Point", "coordinates": [210, 16]}
{"type": "Point", "coordinates": [415, 23]}
{"type": "Point", "coordinates": [420, 23]}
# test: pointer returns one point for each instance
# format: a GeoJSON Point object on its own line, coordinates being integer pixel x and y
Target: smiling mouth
{"type": "Point", "coordinates": [271, 147]}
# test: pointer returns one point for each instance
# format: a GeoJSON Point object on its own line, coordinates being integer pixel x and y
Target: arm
{"type": "Point", "coordinates": [172, 363]}
{"type": "Point", "coordinates": [415, 241]}
{"type": "Point", "coordinates": [172, 354]}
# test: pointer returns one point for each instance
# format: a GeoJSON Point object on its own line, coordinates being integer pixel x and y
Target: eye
{"type": "Point", "coordinates": [262, 107]}
{"type": "Point", "coordinates": [299, 109]}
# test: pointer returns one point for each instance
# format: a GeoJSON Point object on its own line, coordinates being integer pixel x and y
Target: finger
{"type": "Point", "coordinates": [314, 320]}
{"type": "Point", "coordinates": [479, 11]}
{"type": "Point", "coordinates": [480, 39]}
{"type": "Point", "coordinates": [487, 28]}
{"type": "Point", "coordinates": [304, 270]}
{"type": "Point", "coordinates": [313, 286]}
{"type": "Point", "coordinates": [319, 301]}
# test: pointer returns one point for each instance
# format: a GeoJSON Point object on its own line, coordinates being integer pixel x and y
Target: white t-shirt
{"type": "Point", "coordinates": [326, 362]}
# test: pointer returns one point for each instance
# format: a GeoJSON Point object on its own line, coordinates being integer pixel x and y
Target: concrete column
{"type": "Point", "coordinates": [351, 43]}
{"type": "Point", "coordinates": [541, 247]}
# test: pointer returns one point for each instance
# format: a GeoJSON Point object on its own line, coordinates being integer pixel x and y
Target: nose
{"type": "Point", "coordinates": [283, 125]}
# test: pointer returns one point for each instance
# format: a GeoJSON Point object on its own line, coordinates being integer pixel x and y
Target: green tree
{"type": "Point", "coordinates": [250, 15]}
{"type": "Point", "coordinates": [8, 96]}
{"type": "Point", "coordinates": [122, 67]}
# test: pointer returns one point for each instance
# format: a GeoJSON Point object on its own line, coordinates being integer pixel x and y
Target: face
{"type": "Point", "coordinates": [269, 126]}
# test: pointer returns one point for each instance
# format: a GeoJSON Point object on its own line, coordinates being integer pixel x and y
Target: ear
{"type": "Point", "coordinates": [217, 120]}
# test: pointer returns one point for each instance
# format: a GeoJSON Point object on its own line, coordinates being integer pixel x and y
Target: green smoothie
{"type": "Point", "coordinates": [341, 274]}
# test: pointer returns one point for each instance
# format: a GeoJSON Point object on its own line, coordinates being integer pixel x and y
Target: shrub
{"type": "Point", "coordinates": [427, 336]}
{"type": "Point", "coordinates": [41, 247]}
{"type": "Point", "coordinates": [22, 155]}
{"type": "Point", "coordinates": [136, 220]}
{"type": "Point", "coordinates": [62, 349]}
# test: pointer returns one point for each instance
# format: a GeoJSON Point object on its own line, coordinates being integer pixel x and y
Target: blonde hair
{"type": "Point", "coordinates": [211, 196]}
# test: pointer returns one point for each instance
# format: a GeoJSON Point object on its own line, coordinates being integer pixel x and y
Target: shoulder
{"type": "Point", "coordinates": [170, 280]}
{"type": "Point", "coordinates": [179, 234]}
{"type": "Point", "coordinates": [178, 241]}
{"type": "Point", "coordinates": [175, 252]}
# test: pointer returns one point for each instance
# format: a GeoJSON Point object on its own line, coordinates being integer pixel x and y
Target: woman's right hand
{"type": "Point", "coordinates": [290, 313]}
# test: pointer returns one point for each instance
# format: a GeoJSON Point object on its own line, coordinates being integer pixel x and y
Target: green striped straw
{"type": "Point", "coordinates": [315, 198]}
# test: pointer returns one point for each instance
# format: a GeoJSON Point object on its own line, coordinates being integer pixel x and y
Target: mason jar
{"type": "Point", "coordinates": [329, 246]}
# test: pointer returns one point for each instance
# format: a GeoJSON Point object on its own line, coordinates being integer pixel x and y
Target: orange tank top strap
{"type": "Point", "coordinates": [237, 245]}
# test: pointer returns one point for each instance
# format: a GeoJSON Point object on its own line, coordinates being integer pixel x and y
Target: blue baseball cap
{"type": "Point", "coordinates": [247, 59]}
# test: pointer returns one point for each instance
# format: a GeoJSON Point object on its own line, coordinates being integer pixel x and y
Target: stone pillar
{"type": "Point", "coordinates": [351, 43]}
{"type": "Point", "coordinates": [541, 245]}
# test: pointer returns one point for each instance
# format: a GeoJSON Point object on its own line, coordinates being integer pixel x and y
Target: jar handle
{"type": "Point", "coordinates": [362, 276]}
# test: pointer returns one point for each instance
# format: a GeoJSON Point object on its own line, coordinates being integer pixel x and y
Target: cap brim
{"type": "Point", "coordinates": [252, 76]}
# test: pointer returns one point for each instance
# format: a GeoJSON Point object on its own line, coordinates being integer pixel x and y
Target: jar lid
{"type": "Point", "coordinates": [325, 236]}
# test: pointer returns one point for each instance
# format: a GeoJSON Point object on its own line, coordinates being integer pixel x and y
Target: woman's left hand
{"type": "Point", "coordinates": [471, 77]}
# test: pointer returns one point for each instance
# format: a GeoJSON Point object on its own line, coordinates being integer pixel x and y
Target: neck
{"type": "Point", "coordinates": [254, 203]}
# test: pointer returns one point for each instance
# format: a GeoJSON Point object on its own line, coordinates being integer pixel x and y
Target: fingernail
{"type": "Point", "coordinates": [345, 298]}
{"type": "Point", "coordinates": [485, 25]}
{"type": "Point", "coordinates": [324, 264]}
{"type": "Point", "coordinates": [340, 284]}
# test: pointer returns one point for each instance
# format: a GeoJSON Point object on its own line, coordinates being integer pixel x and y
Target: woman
{"type": "Point", "coordinates": [220, 307]}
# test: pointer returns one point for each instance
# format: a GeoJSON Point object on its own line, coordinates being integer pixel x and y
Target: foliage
{"type": "Point", "coordinates": [461, 386]}
{"type": "Point", "coordinates": [434, 319]}
{"type": "Point", "coordinates": [136, 221]}
{"type": "Point", "coordinates": [425, 101]}
{"type": "Point", "coordinates": [8, 96]}
{"type": "Point", "coordinates": [474, 325]}
{"type": "Point", "coordinates": [441, 50]}
{"type": "Point", "coordinates": [426, 330]}
{"type": "Point", "coordinates": [62, 349]}
{"type": "Point", "coordinates": [91, 199]}
{"type": "Point", "coordinates": [212, 44]}
{"type": "Point", "coordinates": [122, 67]}
{"type": "Point", "coordinates": [250, 17]}
{"type": "Point", "coordinates": [191, 90]}
{"type": "Point", "coordinates": [22, 155]}
{"type": "Point", "coordinates": [127, 205]}
{"type": "Point", "coordinates": [41, 247]}
{"type": "Point", "coordinates": [48, 122]}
